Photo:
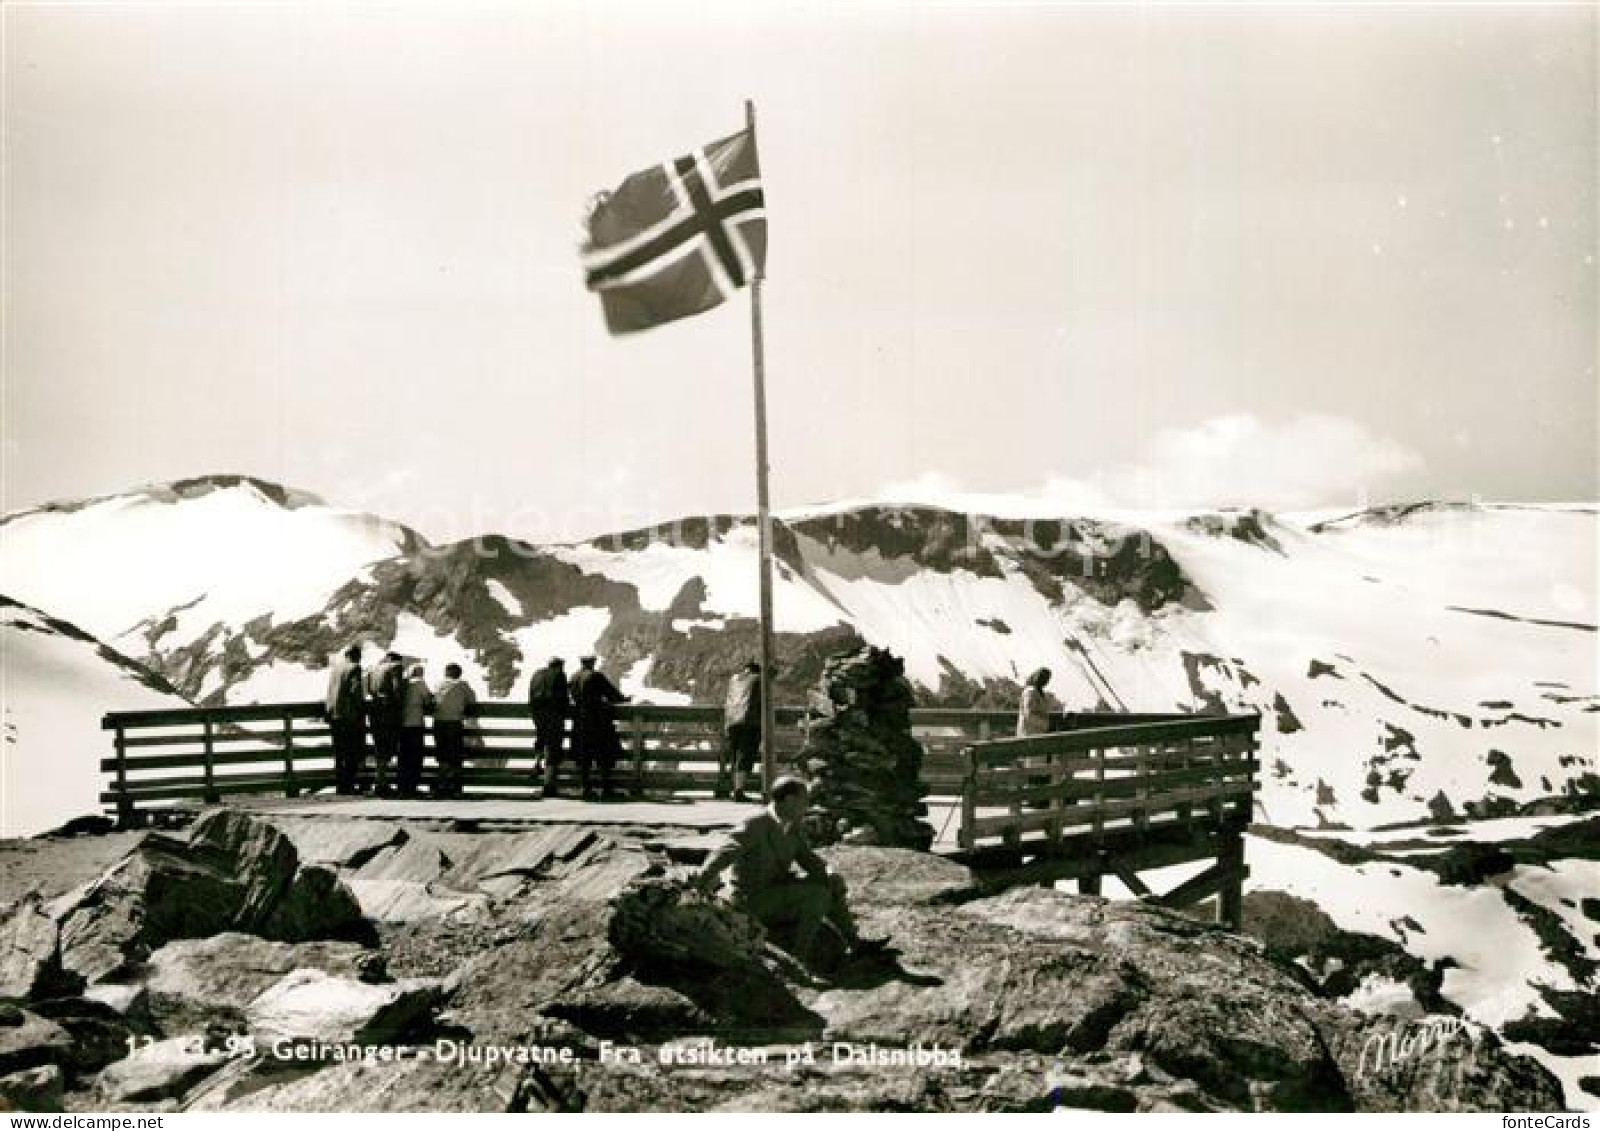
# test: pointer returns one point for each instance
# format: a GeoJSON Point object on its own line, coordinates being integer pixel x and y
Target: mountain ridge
{"type": "Point", "coordinates": [1358, 638]}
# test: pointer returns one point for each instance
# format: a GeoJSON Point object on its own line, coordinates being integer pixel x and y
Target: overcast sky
{"type": "Point", "coordinates": [1159, 257]}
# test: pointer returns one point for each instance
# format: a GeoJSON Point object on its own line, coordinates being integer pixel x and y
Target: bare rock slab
{"type": "Point", "coordinates": [312, 1005]}
{"type": "Point", "coordinates": [161, 1071]}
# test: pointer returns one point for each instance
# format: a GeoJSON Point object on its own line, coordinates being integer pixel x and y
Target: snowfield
{"type": "Point", "coordinates": [1364, 640]}
{"type": "Point", "coordinates": [56, 684]}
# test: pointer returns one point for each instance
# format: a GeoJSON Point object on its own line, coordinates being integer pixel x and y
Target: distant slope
{"type": "Point", "coordinates": [200, 551]}
{"type": "Point", "coordinates": [57, 681]}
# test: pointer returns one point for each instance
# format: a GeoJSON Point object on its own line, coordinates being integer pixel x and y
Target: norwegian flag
{"type": "Point", "coordinates": [678, 238]}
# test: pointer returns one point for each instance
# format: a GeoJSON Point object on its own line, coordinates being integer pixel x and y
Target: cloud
{"type": "Point", "coordinates": [1310, 460]}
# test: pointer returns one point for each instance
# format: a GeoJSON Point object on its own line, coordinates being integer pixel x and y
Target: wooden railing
{"type": "Point", "coordinates": [1107, 778]}
{"type": "Point", "coordinates": [285, 749]}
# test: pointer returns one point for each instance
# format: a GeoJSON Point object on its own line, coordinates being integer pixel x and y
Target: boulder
{"type": "Point", "coordinates": [1037, 970]}
{"type": "Point", "coordinates": [1468, 1071]}
{"type": "Point", "coordinates": [233, 873]}
{"type": "Point", "coordinates": [629, 1010]}
{"type": "Point", "coordinates": [311, 1005]}
{"type": "Point", "coordinates": [900, 876]}
{"type": "Point", "coordinates": [669, 934]}
{"type": "Point", "coordinates": [669, 921]}
{"type": "Point", "coordinates": [317, 905]}
{"type": "Point", "coordinates": [338, 844]}
{"type": "Point", "coordinates": [410, 1085]}
{"type": "Point", "coordinates": [163, 1070]}
{"type": "Point", "coordinates": [498, 994]}
{"type": "Point", "coordinates": [132, 1002]}
{"type": "Point", "coordinates": [99, 1033]}
{"type": "Point", "coordinates": [107, 927]}
{"type": "Point", "coordinates": [192, 983]}
{"type": "Point", "coordinates": [404, 884]}
{"type": "Point", "coordinates": [29, 1041]}
{"type": "Point", "coordinates": [32, 1089]}
{"type": "Point", "coordinates": [30, 962]}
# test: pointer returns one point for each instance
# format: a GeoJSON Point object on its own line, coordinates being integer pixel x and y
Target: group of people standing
{"type": "Point", "coordinates": [393, 703]}
{"type": "Point", "coordinates": [589, 699]}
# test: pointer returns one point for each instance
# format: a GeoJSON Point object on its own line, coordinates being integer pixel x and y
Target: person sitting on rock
{"type": "Point", "coordinates": [763, 851]}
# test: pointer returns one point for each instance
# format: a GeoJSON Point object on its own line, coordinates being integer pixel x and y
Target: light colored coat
{"type": "Point", "coordinates": [451, 701]}
{"type": "Point", "coordinates": [415, 701]}
{"type": "Point", "coordinates": [1033, 716]}
{"type": "Point", "coordinates": [345, 699]}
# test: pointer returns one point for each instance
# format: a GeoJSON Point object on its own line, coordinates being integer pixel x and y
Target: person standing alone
{"type": "Point", "coordinates": [741, 719]}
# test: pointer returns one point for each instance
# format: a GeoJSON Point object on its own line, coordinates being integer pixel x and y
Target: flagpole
{"type": "Point", "coordinates": [763, 513]}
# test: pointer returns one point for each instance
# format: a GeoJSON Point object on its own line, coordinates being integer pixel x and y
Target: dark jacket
{"type": "Point", "coordinates": [547, 691]}
{"type": "Point", "coordinates": [386, 686]}
{"type": "Point", "coordinates": [593, 698]}
{"type": "Point", "coordinates": [763, 854]}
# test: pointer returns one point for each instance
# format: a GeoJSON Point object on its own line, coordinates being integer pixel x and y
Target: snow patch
{"type": "Point", "coordinates": [506, 599]}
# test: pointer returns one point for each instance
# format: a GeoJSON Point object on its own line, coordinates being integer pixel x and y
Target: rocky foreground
{"type": "Point", "coordinates": [327, 964]}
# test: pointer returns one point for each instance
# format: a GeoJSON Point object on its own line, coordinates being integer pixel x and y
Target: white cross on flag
{"type": "Point", "coordinates": [678, 238]}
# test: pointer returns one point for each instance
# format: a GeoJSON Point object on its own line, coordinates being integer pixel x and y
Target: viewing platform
{"type": "Point", "coordinates": [1101, 794]}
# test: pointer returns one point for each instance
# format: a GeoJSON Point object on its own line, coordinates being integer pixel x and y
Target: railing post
{"type": "Point", "coordinates": [1185, 809]}
{"type": "Point", "coordinates": [1141, 772]}
{"type": "Point", "coordinates": [1230, 901]}
{"type": "Point", "coordinates": [1099, 797]}
{"type": "Point", "coordinates": [1248, 749]}
{"type": "Point", "coordinates": [290, 787]}
{"type": "Point", "coordinates": [1057, 803]}
{"type": "Point", "coordinates": [967, 836]}
{"type": "Point", "coordinates": [1215, 806]}
{"type": "Point", "coordinates": [638, 755]}
{"type": "Point", "coordinates": [126, 817]}
{"type": "Point", "coordinates": [210, 794]}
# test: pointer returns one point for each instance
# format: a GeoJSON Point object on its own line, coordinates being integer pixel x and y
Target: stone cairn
{"type": "Point", "coordinates": [865, 768]}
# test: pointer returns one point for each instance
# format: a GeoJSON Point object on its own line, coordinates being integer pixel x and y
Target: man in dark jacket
{"type": "Point", "coordinates": [594, 725]}
{"type": "Point", "coordinates": [741, 721]}
{"type": "Point", "coordinates": [345, 707]}
{"type": "Point", "coordinates": [385, 701]}
{"type": "Point", "coordinates": [549, 703]}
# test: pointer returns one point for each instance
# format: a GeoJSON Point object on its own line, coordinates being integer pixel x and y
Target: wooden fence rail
{"type": "Point", "coordinates": [1116, 798]}
{"type": "Point", "coordinates": [286, 749]}
{"type": "Point", "coordinates": [1099, 787]}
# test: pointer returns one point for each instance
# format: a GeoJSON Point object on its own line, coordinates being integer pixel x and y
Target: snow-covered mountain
{"type": "Point", "coordinates": [1407, 661]}
{"type": "Point", "coordinates": [1434, 661]}
{"type": "Point", "coordinates": [55, 682]}
{"type": "Point", "coordinates": [219, 549]}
